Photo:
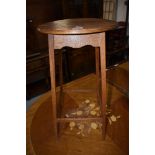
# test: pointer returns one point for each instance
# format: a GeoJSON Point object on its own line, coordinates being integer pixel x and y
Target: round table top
{"type": "Point", "coordinates": [77, 26]}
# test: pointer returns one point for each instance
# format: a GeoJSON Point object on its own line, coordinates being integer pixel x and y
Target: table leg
{"type": "Point", "coordinates": [103, 82]}
{"type": "Point", "coordinates": [53, 85]}
{"type": "Point", "coordinates": [61, 95]}
{"type": "Point", "coordinates": [97, 56]}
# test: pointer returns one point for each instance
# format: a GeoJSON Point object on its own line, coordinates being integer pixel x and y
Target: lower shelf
{"type": "Point", "coordinates": [40, 126]}
{"type": "Point", "coordinates": [79, 119]}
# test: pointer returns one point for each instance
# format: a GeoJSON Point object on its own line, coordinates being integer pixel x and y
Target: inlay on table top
{"type": "Point", "coordinates": [77, 26]}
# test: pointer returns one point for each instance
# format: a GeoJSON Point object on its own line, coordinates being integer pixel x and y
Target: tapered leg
{"type": "Point", "coordinates": [61, 85]}
{"type": "Point", "coordinates": [53, 85]}
{"type": "Point", "coordinates": [103, 81]}
{"type": "Point", "coordinates": [60, 70]}
{"type": "Point", "coordinates": [97, 73]}
{"type": "Point", "coordinates": [61, 95]}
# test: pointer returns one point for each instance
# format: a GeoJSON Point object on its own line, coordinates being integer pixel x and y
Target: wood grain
{"type": "Point", "coordinates": [77, 41]}
{"type": "Point", "coordinates": [103, 82]}
{"type": "Point", "coordinates": [53, 85]}
{"type": "Point", "coordinates": [77, 26]}
{"type": "Point", "coordinates": [40, 138]}
{"type": "Point", "coordinates": [119, 77]}
{"type": "Point", "coordinates": [77, 33]}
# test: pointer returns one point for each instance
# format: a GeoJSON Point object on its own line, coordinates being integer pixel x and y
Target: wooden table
{"type": "Point", "coordinates": [77, 33]}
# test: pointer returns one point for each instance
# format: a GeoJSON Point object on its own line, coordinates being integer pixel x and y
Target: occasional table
{"type": "Point", "coordinates": [77, 33]}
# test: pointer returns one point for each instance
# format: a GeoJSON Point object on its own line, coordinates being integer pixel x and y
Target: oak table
{"type": "Point", "coordinates": [77, 33]}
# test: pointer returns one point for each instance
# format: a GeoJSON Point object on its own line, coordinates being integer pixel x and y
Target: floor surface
{"type": "Point", "coordinates": [40, 140]}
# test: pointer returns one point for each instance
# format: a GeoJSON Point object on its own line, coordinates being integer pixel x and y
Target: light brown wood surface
{"type": "Point", "coordinates": [119, 77]}
{"type": "Point", "coordinates": [77, 26]}
{"type": "Point", "coordinates": [59, 41]}
{"type": "Point", "coordinates": [40, 140]}
{"type": "Point", "coordinates": [77, 41]}
{"type": "Point", "coordinates": [77, 33]}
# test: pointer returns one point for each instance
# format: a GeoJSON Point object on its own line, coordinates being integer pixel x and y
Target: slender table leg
{"type": "Point", "coordinates": [61, 96]}
{"type": "Point", "coordinates": [53, 86]}
{"type": "Point", "coordinates": [61, 75]}
{"type": "Point", "coordinates": [103, 81]}
{"type": "Point", "coordinates": [97, 56]}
